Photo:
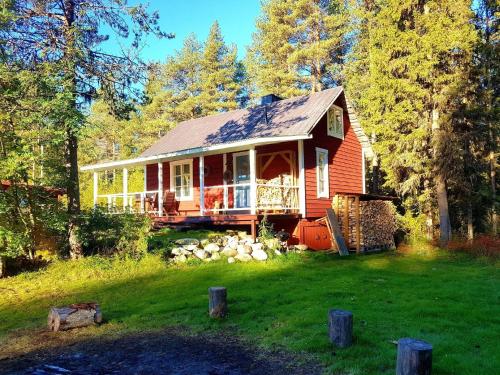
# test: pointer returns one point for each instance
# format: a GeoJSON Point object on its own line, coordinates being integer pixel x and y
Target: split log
{"type": "Point", "coordinates": [414, 357]}
{"type": "Point", "coordinates": [340, 327]}
{"type": "Point", "coordinates": [217, 302]}
{"type": "Point", "coordinates": [73, 316]}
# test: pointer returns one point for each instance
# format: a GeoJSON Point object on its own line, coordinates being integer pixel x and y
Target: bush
{"type": "Point", "coordinates": [123, 234]}
{"type": "Point", "coordinates": [482, 245]}
{"type": "Point", "coordinates": [413, 226]}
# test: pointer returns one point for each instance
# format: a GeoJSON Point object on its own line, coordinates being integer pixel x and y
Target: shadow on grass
{"type": "Point", "coordinates": [453, 304]}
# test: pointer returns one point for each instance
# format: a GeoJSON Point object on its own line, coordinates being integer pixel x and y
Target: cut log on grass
{"type": "Point", "coordinates": [414, 357]}
{"type": "Point", "coordinates": [73, 316]}
{"type": "Point", "coordinates": [340, 327]}
{"type": "Point", "coordinates": [217, 302]}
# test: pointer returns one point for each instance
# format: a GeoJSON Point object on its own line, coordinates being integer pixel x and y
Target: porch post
{"type": "Point", "coordinates": [143, 194]}
{"type": "Point", "coordinates": [253, 186]}
{"type": "Point", "coordinates": [202, 185]}
{"type": "Point", "coordinates": [160, 189]}
{"type": "Point", "coordinates": [363, 171]}
{"type": "Point", "coordinates": [125, 188]}
{"type": "Point", "coordinates": [224, 181]}
{"type": "Point", "coordinates": [96, 187]}
{"type": "Point", "coordinates": [302, 180]}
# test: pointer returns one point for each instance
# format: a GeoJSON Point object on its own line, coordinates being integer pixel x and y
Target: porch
{"type": "Point", "coordinates": [217, 188]}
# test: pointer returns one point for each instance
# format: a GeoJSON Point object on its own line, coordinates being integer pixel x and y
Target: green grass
{"type": "Point", "coordinates": [451, 301]}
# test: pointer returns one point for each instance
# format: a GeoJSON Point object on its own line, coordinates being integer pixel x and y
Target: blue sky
{"type": "Point", "coordinates": [182, 17]}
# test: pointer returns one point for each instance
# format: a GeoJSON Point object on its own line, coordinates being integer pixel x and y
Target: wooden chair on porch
{"type": "Point", "coordinates": [170, 204]}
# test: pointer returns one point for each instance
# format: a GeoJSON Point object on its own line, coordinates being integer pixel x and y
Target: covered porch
{"type": "Point", "coordinates": [252, 180]}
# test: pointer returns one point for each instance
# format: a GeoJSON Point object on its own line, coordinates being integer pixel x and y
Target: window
{"type": "Point", "coordinates": [181, 179]}
{"type": "Point", "coordinates": [335, 118]}
{"type": "Point", "coordinates": [322, 173]}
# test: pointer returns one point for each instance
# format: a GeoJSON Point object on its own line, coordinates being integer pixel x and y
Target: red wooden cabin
{"type": "Point", "coordinates": [285, 159]}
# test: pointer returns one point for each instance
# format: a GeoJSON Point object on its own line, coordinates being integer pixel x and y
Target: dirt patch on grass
{"type": "Point", "coordinates": [170, 351]}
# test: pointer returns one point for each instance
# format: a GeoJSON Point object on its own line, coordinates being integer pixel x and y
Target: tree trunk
{"type": "Point", "coordinates": [440, 184]}
{"type": "Point", "coordinates": [217, 302]}
{"type": "Point", "coordinates": [470, 223]}
{"type": "Point", "coordinates": [73, 184]}
{"type": "Point", "coordinates": [2, 266]}
{"type": "Point", "coordinates": [74, 316]}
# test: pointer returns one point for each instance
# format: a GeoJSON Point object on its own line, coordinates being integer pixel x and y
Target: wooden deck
{"type": "Point", "coordinates": [222, 220]}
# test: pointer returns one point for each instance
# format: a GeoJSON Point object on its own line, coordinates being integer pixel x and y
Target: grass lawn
{"type": "Point", "coordinates": [452, 301]}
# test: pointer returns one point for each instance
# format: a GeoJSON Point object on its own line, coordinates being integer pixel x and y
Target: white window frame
{"type": "Point", "coordinates": [331, 112]}
{"type": "Point", "coordinates": [172, 178]}
{"type": "Point", "coordinates": [326, 193]}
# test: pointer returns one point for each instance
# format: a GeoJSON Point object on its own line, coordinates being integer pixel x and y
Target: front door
{"type": "Point", "coordinates": [241, 164]}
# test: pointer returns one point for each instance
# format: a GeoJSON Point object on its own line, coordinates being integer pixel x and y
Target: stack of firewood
{"type": "Point", "coordinates": [377, 222]}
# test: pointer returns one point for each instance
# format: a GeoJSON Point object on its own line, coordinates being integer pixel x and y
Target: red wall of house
{"type": "Point", "coordinates": [345, 164]}
{"type": "Point", "coordinates": [191, 207]}
{"type": "Point", "coordinates": [278, 165]}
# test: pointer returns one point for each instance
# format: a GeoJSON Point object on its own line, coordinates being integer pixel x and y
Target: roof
{"type": "Point", "coordinates": [279, 121]}
{"type": "Point", "coordinates": [285, 118]}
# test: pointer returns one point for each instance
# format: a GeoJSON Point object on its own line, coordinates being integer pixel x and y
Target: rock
{"type": "Point", "coordinates": [244, 249]}
{"type": "Point", "coordinates": [277, 252]}
{"type": "Point", "coordinates": [201, 254]}
{"type": "Point", "coordinates": [243, 257]}
{"type": "Point", "coordinates": [180, 259]}
{"type": "Point", "coordinates": [177, 251]}
{"type": "Point", "coordinates": [215, 256]}
{"type": "Point", "coordinates": [212, 248]}
{"type": "Point", "coordinates": [207, 260]}
{"type": "Point", "coordinates": [230, 260]}
{"type": "Point", "coordinates": [259, 255]}
{"type": "Point", "coordinates": [186, 252]}
{"type": "Point", "coordinates": [300, 247]}
{"type": "Point", "coordinates": [187, 241]}
{"type": "Point", "coordinates": [242, 235]}
{"type": "Point", "coordinates": [229, 252]}
{"type": "Point", "coordinates": [190, 247]}
{"type": "Point", "coordinates": [204, 242]}
{"type": "Point", "coordinates": [257, 246]}
{"type": "Point", "coordinates": [232, 242]}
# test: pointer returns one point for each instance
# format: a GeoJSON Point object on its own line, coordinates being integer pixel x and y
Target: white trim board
{"type": "Point", "coordinates": [227, 147]}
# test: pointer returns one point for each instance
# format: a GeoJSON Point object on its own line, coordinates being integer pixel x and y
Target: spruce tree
{"type": "Point", "coordinates": [417, 55]}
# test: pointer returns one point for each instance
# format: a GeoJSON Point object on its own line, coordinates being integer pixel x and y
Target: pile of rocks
{"type": "Point", "coordinates": [234, 246]}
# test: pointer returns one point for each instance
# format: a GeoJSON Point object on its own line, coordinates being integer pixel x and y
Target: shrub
{"type": "Point", "coordinates": [482, 245]}
{"type": "Point", "coordinates": [123, 234]}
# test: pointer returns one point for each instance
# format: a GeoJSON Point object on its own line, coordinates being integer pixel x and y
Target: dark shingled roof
{"type": "Point", "coordinates": [288, 117]}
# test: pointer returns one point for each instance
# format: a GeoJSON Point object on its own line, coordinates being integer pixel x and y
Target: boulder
{"type": "Point", "coordinates": [277, 252]}
{"type": "Point", "coordinates": [201, 254]}
{"type": "Point", "coordinates": [300, 247]}
{"type": "Point", "coordinates": [259, 255]}
{"type": "Point", "coordinates": [180, 259]}
{"type": "Point", "coordinates": [232, 242]}
{"type": "Point", "coordinates": [204, 242]}
{"type": "Point", "coordinates": [230, 260]}
{"type": "Point", "coordinates": [212, 248]}
{"type": "Point", "coordinates": [190, 247]}
{"type": "Point", "coordinates": [257, 246]}
{"type": "Point", "coordinates": [186, 252]}
{"type": "Point", "coordinates": [243, 257]}
{"type": "Point", "coordinates": [244, 249]}
{"type": "Point", "coordinates": [187, 241]}
{"type": "Point", "coordinates": [176, 251]}
{"type": "Point", "coordinates": [229, 252]}
{"type": "Point", "coordinates": [215, 256]}
{"type": "Point", "coordinates": [242, 235]}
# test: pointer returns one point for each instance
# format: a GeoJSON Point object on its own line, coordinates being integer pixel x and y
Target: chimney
{"type": "Point", "coordinates": [269, 98]}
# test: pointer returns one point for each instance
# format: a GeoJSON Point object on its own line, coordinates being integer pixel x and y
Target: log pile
{"type": "Point", "coordinates": [366, 225]}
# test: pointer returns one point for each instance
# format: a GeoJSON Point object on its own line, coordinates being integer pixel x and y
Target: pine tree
{"type": "Point", "coordinates": [219, 75]}
{"type": "Point", "coordinates": [298, 47]}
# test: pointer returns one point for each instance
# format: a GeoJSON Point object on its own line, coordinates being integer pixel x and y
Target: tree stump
{"type": "Point", "coordinates": [414, 357]}
{"type": "Point", "coordinates": [73, 316]}
{"type": "Point", "coordinates": [340, 327]}
{"type": "Point", "coordinates": [217, 302]}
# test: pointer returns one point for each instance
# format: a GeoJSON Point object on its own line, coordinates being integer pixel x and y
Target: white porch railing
{"type": "Point", "coordinates": [138, 202]}
{"type": "Point", "coordinates": [232, 198]}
